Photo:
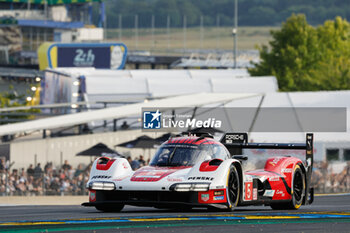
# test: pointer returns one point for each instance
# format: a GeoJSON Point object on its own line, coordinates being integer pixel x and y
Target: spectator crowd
{"type": "Point", "coordinates": [326, 180]}
{"type": "Point", "coordinates": [47, 180]}
{"type": "Point", "coordinates": [66, 180]}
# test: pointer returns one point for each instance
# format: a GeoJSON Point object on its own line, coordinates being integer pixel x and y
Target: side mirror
{"type": "Point", "coordinates": [240, 157]}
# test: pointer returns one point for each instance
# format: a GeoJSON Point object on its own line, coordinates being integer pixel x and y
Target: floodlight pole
{"type": "Point", "coordinates": [168, 30]}
{"type": "Point", "coordinates": [201, 31]}
{"type": "Point", "coordinates": [120, 27]}
{"type": "Point", "coordinates": [136, 32]}
{"type": "Point", "coordinates": [153, 22]}
{"type": "Point", "coordinates": [45, 10]}
{"type": "Point", "coordinates": [234, 33]}
{"type": "Point", "coordinates": [184, 33]}
{"type": "Point", "coordinates": [217, 31]}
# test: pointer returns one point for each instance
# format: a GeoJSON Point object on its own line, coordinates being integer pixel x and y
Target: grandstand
{"type": "Point", "coordinates": [27, 24]}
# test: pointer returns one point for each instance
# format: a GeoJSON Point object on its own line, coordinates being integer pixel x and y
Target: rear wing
{"type": "Point", "coordinates": [240, 141]}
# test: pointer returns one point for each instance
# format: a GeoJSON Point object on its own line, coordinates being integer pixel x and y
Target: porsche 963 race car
{"type": "Point", "coordinates": [201, 172]}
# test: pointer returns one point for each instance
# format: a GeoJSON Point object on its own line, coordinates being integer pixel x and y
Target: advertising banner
{"type": "Point", "coordinates": [84, 57]}
{"type": "Point", "coordinates": [96, 55]}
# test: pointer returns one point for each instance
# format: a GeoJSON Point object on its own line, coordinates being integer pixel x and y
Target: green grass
{"type": "Point", "coordinates": [213, 38]}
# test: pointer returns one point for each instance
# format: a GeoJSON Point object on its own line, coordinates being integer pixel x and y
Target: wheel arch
{"type": "Point", "coordinates": [303, 170]}
{"type": "Point", "coordinates": [239, 169]}
{"type": "Point", "coordinates": [302, 167]}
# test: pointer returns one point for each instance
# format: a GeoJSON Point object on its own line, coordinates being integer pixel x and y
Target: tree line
{"type": "Point", "coordinates": [251, 12]}
{"type": "Point", "coordinates": [307, 58]}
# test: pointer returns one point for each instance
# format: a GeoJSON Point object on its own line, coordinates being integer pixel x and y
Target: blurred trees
{"type": "Point", "coordinates": [10, 99]}
{"type": "Point", "coordinates": [304, 58]}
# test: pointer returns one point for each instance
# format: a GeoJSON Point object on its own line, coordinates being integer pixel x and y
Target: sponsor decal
{"type": "Point", "coordinates": [173, 179]}
{"type": "Point", "coordinates": [248, 191]}
{"type": "Point", "coordinates": [121, 178]}
{"type": "Point", "coordinates": [200, 178]}
{"type": "Point", "coordinates": [280, 192]}
{"type": "Point", "coordinates": [248, 178]}
{"type": "Point", "coordinates": [255, 194]}
{"type": "Point", "coordinates": [205, 197]}
{"type": "Point", "coordinates": [274, 178]}
{"type": "Point", "coordinates": [219, 198]}
{"type": "Point", "coordinates": [150, 175]}
{"type": "Point", "coordinates": [238, 138]}
{"type": "Point", "coordinates": [287, 170]}
{"type": "Point", "coordinates": [219, 193]}
{"type": "Point", "coordinates": [92, 196]}
{"type": "Point", "coordinates": [269, 193]}
{"type": "Point", "coordinates": [275, 161]}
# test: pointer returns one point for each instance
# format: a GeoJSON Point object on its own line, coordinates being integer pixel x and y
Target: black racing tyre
{"type": "Point", "coordinates": [110, 208]}
{"type": "Point", "coordinates": [233, 188]}
{"type": "Point", "coordinates": [297, 191]}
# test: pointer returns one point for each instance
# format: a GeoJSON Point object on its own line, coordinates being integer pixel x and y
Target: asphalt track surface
{"type": "Point", "coordinates": [326, 214]}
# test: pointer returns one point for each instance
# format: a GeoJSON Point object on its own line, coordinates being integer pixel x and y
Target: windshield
{"type": "Point", "coordinates": [173, 155]}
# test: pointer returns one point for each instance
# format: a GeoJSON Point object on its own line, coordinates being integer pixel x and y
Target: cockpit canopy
{"type": "Point", "coordinates": [182, 154]}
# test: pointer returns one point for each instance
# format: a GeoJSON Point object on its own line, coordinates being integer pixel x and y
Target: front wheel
{"type": "Point", "coordinates": [110, 208]}
{"type": "Point", "coordinates": [233, 188]}
{"type": "Point", "coordinates": [298, 192]}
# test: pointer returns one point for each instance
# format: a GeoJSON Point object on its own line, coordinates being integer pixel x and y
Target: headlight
{"type": "Point", "coordinates": [192, 187]}
{"type": "Point", "coordinates": [183, 187]}
{"type": "Point", "coordinates": [108, 186]}
{"type": "Point", "coordinates": [201, 187]}
{"type": "Point", "coordinates": [101, 186]}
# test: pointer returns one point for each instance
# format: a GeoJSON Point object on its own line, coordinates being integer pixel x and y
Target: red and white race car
{"type": "Point", "coordinates": [201, 172]}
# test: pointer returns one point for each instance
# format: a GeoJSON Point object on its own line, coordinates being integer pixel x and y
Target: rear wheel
{"type": "Point", "coordinates": [298, 192]}
{"type": "Point", "coordinates": [233, 188]}
{"type": "Point", "coordinates": [110, 208]}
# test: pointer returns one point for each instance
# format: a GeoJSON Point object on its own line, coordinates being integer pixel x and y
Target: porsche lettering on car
{"type": "Point", "coordinates": [199, 171]}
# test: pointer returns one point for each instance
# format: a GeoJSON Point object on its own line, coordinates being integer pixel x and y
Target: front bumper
{"type": "Point", "coordinates": [150, 198]}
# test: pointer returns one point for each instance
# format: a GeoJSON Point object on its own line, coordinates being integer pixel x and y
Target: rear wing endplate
{"type": "Point", "coordinates": [240, 140]}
